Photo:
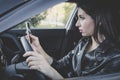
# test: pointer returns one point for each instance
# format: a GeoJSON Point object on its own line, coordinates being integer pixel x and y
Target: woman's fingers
{"type": "Point", "coordinates": [30, 53]}
{"type": "Point", "coordinates": [33, 56]}
{"type": "Point", "coordinates": [33, 37]}
{"type": "Point", "coordinates": [27, 54]}
{"type": "Point", "coordinates": [35, 67]}
{"type": "Point", "coordinates": [37, 61]}
{"type": "Point", "coordinates": [29, 59]}
{"type": "Point", "coordinates": [33, 63]}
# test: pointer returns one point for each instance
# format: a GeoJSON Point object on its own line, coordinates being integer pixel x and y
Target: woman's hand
{"type": "Point", "coordinates": [37, 62]}
{"type": "Point", "coordinates": [38, 48]}
{"type": "Point", "coordinates": [35, 44]}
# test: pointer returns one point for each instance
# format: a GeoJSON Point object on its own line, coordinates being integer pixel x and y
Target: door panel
{"type": "Point", "coordinates": [50, 39]}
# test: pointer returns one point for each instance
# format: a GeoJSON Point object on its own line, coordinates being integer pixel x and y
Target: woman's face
{"type": "Point", "coordinates": [85, 23]}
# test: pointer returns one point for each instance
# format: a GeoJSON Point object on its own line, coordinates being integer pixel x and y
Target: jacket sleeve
{"type": "Point", "coordinates": [66, 60]}
{"type": "Point", "coordinates": [111, 67]}
{"type": "Point", "coordinates": [64, 65]}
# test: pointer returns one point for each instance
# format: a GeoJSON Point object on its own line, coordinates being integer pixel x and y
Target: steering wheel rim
{"type": "Point", "coordinates": [10, 69]}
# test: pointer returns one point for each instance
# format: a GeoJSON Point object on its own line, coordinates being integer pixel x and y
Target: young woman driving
{"type": "Point", "coordinates": [96, 53]}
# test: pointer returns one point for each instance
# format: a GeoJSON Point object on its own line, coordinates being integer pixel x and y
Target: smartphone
{"type": "Point", "coordinates": [28, 31]}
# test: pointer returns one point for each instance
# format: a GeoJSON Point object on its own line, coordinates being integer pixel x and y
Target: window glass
{"type": "Point", "coordinates": [55, 17]}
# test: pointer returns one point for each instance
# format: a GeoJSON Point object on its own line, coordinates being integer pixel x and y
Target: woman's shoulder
{"type": "Point", "coordinates": [108, 51]}
{"type": "Point", "coordinates": [114, 53]}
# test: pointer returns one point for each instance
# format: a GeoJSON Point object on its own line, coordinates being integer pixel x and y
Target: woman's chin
{"type": "Point", "coordinates": [83, 34]}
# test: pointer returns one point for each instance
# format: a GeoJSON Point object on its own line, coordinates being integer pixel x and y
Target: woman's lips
{"type": "Point", "coordinates": [81, 30]}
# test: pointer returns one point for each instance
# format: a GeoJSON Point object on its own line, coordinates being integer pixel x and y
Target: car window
{"type": "Point", "coordinates": [55, 17]}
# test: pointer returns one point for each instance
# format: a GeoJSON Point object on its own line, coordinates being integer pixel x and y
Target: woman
{"type": "Point", "coordinates": [96, 53]}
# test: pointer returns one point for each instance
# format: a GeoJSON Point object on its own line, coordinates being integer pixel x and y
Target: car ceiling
{"type": "Point", "coordinates": [23, 9]}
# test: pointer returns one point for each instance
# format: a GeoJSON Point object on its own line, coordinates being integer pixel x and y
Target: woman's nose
{"type": "Point", "coordinates": [77, 23]}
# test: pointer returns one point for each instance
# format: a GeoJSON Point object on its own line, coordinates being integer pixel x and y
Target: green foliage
{"type": "Point", "coordinates": [68, 8]}
{"type": "Point", "coordinates": [37, 19]}
{"type": "Point", "coordinates": [56, 16]}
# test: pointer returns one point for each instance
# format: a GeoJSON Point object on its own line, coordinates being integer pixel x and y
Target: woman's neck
{"type": "Point", "coordinates": [94, 44]}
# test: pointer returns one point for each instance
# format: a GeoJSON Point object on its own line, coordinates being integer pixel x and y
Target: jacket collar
{"type": "Point", "coordinates": [104, 46]}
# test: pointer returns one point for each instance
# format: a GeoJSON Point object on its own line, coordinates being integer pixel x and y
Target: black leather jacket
{"type": "Point", "coordinates": [103, 60]}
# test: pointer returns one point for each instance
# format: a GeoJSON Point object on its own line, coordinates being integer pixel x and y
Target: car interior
{"type": "Point", "coordinates": [56, 42]}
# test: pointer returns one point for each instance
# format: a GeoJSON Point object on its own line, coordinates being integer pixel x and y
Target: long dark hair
{"type": "Point", "coordinates": [107, 19]}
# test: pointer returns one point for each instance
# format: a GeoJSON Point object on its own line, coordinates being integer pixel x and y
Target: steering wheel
{"type": "Point", "coordinates": [20, 71]}
{"type": "Point", "coordinates": [12, 48]}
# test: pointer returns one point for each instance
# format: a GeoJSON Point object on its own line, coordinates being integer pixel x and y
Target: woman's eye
{"type": "Point", "coordinates": [81, 17]}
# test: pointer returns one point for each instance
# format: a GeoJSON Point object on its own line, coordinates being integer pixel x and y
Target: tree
{"type": "Point", "coordinates": [37, 19]}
